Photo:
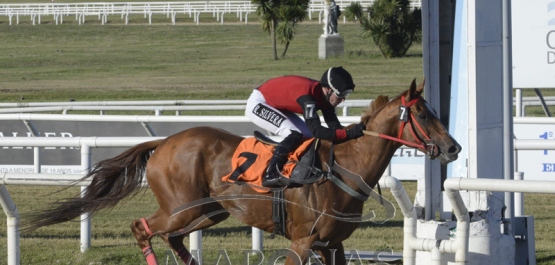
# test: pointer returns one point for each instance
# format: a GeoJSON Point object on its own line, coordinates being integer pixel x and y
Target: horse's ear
{"type": "Point", "coordinates": [421, 87]}
{"type": "Point", "coordinates": [412, 90]}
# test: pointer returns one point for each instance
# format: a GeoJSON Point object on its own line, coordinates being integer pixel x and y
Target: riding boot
{"type": "Point", "coordinates": [278, 160]}
{"type": "Point", "coordinates": [271, 179]}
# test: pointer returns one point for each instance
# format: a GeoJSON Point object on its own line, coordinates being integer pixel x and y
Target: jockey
{"type": "Point", "coordinates": [275, 104]}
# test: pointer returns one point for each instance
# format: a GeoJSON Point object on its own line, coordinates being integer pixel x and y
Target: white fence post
{"type": "Point", "coordinates": [519, 197]}
{"type": "Point", "coordinates": [85, 218]}
{"type": "Point", "coordinates": [195, 244]}
{"type": "Point", "coordinates": [257, 239]}
{"type": "Point", "coordinates": [12, 216]}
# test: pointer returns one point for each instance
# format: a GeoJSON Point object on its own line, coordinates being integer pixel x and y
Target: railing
{"type": "Point", "coordinates": [453, 186]}
{"type": "Point", "coordinates": [156, 106]}
{"type": "Point", "coordinates": [177, 106]}
{"type": "Point", "coordinates": [192, 9]}
{"type": "Point", "coordinates": [123, 9]}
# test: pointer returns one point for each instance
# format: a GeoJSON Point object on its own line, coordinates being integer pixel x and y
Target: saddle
{"type": "Point", "coordinates": [250, 160]}
{"type": "Point", "coordinates": [307, 169]}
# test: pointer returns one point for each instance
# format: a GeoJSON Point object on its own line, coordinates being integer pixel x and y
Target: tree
{"type": "Point", "coordinates": [392, 25]}
{"type": "Point", "coordinates": [353, 11]}
{"type": "Point", "coordinates": [279, 18]}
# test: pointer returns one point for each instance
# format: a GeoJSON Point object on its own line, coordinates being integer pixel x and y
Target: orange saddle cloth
{"type": "Point", "coordinates": [251, 159]}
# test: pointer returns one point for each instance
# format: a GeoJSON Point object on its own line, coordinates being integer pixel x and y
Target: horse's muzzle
{"type": "Point", "coordinates": [451, 154]}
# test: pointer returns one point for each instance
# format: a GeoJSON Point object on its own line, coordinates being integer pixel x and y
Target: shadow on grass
{"type": "Point", "coordinates": [225, 231]}
{"type": "Point", "coordinates": [546, 259]}
{"type": "Point", "coordinates": [108, 246]}
{"type": "Point", "coordinates": [50, 236]}
{"type": "Point", "coordinates": [387, 224]}
{"type": "Point", "coordinates": [413, 55]}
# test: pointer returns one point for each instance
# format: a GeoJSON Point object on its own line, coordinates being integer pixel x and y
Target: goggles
{"type": "Point", "coordinates": [343, 94]}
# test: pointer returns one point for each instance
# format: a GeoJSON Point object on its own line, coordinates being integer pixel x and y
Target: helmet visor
{"type": "Point", "coordinates": [343, 94]}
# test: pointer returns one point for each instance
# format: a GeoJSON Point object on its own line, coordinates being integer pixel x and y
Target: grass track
{"type": "Point", "coordinates": [137, 62]}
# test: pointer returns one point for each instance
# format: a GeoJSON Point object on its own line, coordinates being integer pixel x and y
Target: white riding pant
{"type": "Point", "coordinates": [273, 120]}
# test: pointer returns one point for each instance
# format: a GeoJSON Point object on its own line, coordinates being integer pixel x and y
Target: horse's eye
{"type": "Point", "coordinates": [422, 116]}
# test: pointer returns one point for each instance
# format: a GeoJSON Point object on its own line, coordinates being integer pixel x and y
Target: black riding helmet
{"type": "Point", "coordinates": [339, 80]}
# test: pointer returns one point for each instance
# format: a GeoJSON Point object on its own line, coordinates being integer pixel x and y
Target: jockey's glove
{"type": "Point", "coordinates": [356, 131]}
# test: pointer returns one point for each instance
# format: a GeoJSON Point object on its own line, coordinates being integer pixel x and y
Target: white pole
{"type": "Point", "coordinates": [503, 185]}
{"type": "Point", "coordinates": [508, 159]}
{"type": "Point", "coordinates": [85, 220]}
{"type": "Point", "coordinates": [463, 224]}
{"type": "Point", "coordinates": [436, 256]}
{"type": "Point", "coordinates": [13, 240]}
{"type": "Point", "coordinates": [519, 197]}
{"type": "Point", "coordinates": [12, 216]}
{"type": "Point", "coordinates": [407, 208]}
{"type": "Point", "coordinates": [518, 97]}
{"type": "Point", "coordinates": [257, 240]}
{"type": "Point", "coordinates": [195, 244]}
{"type": "Point", "coordinates": [36, 155]}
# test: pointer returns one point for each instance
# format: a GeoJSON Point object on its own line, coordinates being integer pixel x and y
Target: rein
{"type": "Point", "coordinates": [361, 196]}
{"type": "Point", "coordinates": [405, 117]}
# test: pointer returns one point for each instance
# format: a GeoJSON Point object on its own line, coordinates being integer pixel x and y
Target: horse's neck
{"type": "Point", "coordinates": [367, 156]}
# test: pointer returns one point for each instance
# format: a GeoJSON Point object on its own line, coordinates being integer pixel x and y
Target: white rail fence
{"type": "Point", "coordinates": [157, 107]}
{"type": "Point", "coordinates": [459, 244]}
{"type": "Point", "coordinates": [192, 9]}
{"type": "Point", "coordinates": [179, 106]}
{"type": "Point", "coordinates": [453, 186]}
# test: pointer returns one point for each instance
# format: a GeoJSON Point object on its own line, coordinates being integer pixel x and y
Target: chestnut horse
{"type": "Point", "coordinates": [185, 174]}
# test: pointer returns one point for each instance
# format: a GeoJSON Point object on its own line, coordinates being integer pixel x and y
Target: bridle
{"type": "Point", "coordinates": [405, 117]}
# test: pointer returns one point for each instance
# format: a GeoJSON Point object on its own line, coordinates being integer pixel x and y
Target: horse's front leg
{"type": "Point", "coordinates": [300, 251]}
{"type": "Point", "coordinates": [334, 254]}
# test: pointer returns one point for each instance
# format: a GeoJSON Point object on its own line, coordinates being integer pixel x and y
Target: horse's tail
{"type": "Point", "coordinates": [112, 180]}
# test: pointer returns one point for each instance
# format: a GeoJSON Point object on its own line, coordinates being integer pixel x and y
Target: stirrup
{"type": "Point", "coordinates": [275, 181]}
{"type": "Point", "coordinates": [272, 179]}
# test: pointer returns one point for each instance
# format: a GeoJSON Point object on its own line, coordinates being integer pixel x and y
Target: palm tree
{"type": "Point", "coordinates": [393, 26]}
{"type": "Point", "coordinates": [353, 12]}
{"type": "Point", "coordinates": [279, 18]}
{"type": "Point", "coordinates": [265, 9]}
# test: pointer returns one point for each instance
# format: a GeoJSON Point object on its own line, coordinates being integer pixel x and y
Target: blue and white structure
{"type": "Point", "coordinates": [480, 116]}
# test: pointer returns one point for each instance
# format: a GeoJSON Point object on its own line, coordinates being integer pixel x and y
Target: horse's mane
{"type": "Point", "coordinates": [376, 105]}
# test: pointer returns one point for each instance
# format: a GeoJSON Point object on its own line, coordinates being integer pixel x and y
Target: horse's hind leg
{"type": "Point", "coordinates": [172, 231]}
{"type": "Point", "coordinates": [176, 243]}
{"type": "Point", "coordinates": [142, 230]}
{"type": "Point", "coordinates": [143, 235]}
{"type": "Point", "coordinates": [175, 239]}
